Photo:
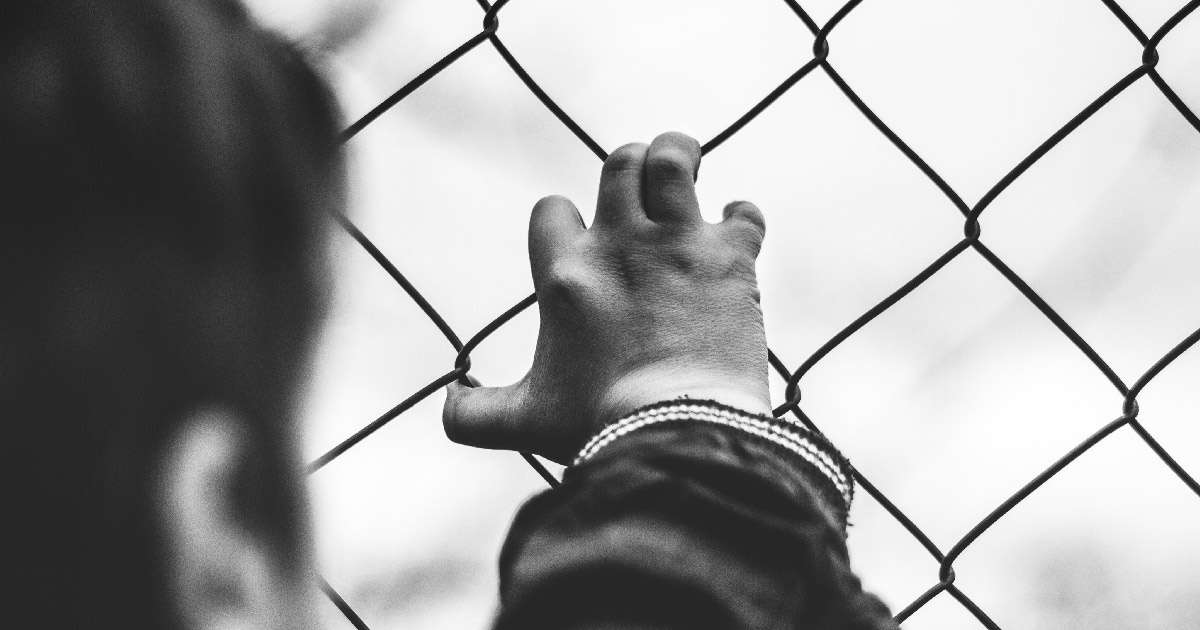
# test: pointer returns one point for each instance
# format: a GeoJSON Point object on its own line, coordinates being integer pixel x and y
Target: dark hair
{"type": "Point", "coordinates": [167, 167]}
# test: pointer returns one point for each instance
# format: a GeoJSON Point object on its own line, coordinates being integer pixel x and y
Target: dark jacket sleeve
{"type": "Point", "coordinates": [685, 526]}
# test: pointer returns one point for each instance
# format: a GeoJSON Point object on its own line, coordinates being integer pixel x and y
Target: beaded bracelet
{"type": "Point", "coordinates": [798, 440]}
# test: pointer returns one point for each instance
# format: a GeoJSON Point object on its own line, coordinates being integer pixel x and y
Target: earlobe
{"type": "Point", "coordinates": [222, 573]}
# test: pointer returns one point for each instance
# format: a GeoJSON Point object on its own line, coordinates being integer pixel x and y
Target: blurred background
{"type": "Point", "coordinates": [949, 402]}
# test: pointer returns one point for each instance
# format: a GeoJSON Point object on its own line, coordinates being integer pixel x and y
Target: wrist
{"type": "Point", "coordinates": [647, 387]}
{"type": "Point", "coordinates": [810, 454]}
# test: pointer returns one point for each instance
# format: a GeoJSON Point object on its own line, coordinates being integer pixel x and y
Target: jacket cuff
{"type": "Point", "coordinates": [805, 451]}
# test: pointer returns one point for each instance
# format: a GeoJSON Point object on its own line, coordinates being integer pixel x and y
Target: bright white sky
{"type": "Point", "coordinates": [949, 402]}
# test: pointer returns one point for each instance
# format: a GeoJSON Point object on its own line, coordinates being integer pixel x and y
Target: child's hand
{"type": "Point", "coordinates": [651, 303]}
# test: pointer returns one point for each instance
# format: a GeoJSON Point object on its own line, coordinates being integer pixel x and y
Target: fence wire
{"type": "Point", "coordinates": [1145, 69]}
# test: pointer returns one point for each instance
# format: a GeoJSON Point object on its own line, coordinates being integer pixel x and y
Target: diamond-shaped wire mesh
{"type": "Point", "coordinates": [1143, 70]}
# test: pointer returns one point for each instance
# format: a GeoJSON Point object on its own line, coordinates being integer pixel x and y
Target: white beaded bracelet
{"type": "Point", "coordinates": [796, 439]}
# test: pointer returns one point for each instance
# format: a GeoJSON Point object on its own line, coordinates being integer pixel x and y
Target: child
{"type": "Point", "coordinates": [168, 173]}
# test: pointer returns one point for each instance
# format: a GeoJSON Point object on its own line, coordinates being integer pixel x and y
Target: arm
{"type": "Point", "coordinates": [679, 514]}
{"type": "Point", "coordinates": [695, 525]}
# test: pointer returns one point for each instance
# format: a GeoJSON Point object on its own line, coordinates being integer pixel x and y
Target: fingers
{"type": "Point", "coordinates": [744, 224]}
{"type": "Point", "coordinates": [620, 199]}
{"type": "Point", "coordinates": [656, 181]}
{"type": "Point", "coordinates": [553, 226]}
{"type": "Point", "coordinates": [669, 185]}
{"type": "Point", "coordinates": [482, 416]}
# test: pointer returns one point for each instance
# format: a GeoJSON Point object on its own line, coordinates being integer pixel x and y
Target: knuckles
{"type": "Point", "coordinates": [669, 164]}
{"type": "Point", "coordinates": [742, 235]}
{"type": "Point", "coordinates": [625, 158]}
{"type": "Point", "coordinates": [612, 265]}
{"type": "Point", "coordinates": [565, 283]}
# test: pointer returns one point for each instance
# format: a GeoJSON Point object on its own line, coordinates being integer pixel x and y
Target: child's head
{"type": "Point", "coordinates": [167, 169]}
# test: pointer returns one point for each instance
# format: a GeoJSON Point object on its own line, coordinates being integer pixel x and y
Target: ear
{"type": "Point", "coordinates": [223, 574]}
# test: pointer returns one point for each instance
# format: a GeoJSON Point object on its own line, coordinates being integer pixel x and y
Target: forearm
{"type": "Point", "coordinates": [688, 524]}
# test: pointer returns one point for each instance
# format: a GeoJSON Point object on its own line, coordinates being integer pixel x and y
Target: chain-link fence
{"type": "Point", "coordinates": [1143, 70]}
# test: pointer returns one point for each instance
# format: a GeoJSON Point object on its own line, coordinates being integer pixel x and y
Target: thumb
{"type": "Point", "coordinates": [486, 417]}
